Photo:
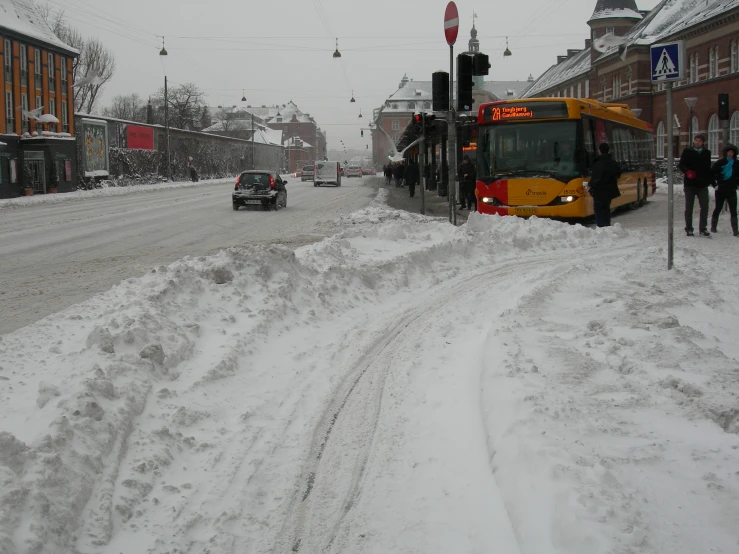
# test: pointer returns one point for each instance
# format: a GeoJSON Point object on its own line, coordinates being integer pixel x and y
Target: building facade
{"type": "Point", "coordinates": [37, 144]}
{"type": "Point", "coordinates": [621, 74]}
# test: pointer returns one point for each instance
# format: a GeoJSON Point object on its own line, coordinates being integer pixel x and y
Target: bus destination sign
{"type": "Point", "coordinates": [518, 111]}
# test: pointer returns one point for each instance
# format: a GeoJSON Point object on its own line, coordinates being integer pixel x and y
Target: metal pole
{"type": "Point", "coordinates": [452, 142]}
{"type": "Point", "coordinates": [690, 128]}
{"type": "Point", "coordinates": [166, 126]}
{"type": "Point", "coordinates": [253, 166]}
{"type": "Point", "coordinates": [422, 162]}
{"type": "Point", "coordinates": [670, 179]}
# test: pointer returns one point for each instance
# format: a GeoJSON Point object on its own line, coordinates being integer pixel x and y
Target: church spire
{"type": "Point", "coordinates": [474, 44]}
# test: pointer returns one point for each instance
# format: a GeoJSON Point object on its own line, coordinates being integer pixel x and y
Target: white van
{"type": "Point", "coordinates": [327, 173]}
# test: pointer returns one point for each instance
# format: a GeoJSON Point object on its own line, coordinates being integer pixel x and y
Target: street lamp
{"type": "Point", "coordinates": [507, 52]}
{"type": "Point", "coordinates": [691, 102]}
{"type": "Point", "coordinates": [337, 54]}
{"type": "Point", "coordinates": [162, 54]}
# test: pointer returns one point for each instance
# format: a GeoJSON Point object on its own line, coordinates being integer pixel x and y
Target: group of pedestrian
{"type": "Point", "coordinates": [699, 173]}
{"type": "Point", "coordinates": [402, 173]}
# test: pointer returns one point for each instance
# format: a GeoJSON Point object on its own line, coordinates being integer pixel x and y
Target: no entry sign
{"type": "Point", "coordinates": [451, 23]}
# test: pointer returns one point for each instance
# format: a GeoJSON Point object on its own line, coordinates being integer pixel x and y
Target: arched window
{"type": "Point", "coordinates": [711, 64]}
{"type": "Point", "coordinates": [713, 130]}
{"type": "Point", "coordinates": [661, 139]}
{"type": "Point", "coordinates": [411, 105]}
{"type": "Point", "coordinates": [695, 128]}
{"type": "Point", "coordinates": [427, 105]}
{"type": "Point", "coordinates": [734, 128]}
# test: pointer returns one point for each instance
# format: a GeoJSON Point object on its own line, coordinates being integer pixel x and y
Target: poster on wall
{"type": "Point", "coordinates": [95, 156]}
{"type": "Point", "coordinates": [139, 138]}
{"type": "Point", "coordinates": [67, 170]}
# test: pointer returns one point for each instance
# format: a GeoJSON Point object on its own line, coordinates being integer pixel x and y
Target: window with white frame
{"type": "Point", "coordinates": [695, 127]}
{"type": "Point", "coordinates": [63, 66]}
{"type": "Point", "coordinates": [734, 66]}
{"type": "Point", "coordinates": [587, 88]}
{"type": "Point", "coordinates": [52, 72]}
{"type": "Point", "coordinates": [65, 118]}
{"type": "Point", "coordinates": [616, 86]}
{"type": "Point", "coordinates": [693, 68]}
{"type": "Point", "coordinates": [713, 132]}
{"type": "Point", "coordinates": [24, 65]}
{"type": "Point", "coordinates": [9, 112]}
{"type": "Point", "coordinates": [715, 61]}
{"type": "Point", "coordinates": [734, 128]}
{"type": "Point", "coordinates": [396, 125]}
{"type": "Point", "coordinates": [24, 110]}
{"type": "Point", "coordinates": [579, 90]}
{"type": "Point", "coordinates": [572, 91]}
{"type": "Point", "coordinates": [629, 75]}
{"type": "Point", "coordinates": [8, 56]}
{"type": "Point", "coordinates": [37, 67]}
{"type": "Point", "coordinates": [661, 139]}
{"type": "Point", "coordinates": [610, 30]}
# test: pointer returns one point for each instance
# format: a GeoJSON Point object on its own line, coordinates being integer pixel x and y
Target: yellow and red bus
{"type": "Point", "coordinates": [534, 156]}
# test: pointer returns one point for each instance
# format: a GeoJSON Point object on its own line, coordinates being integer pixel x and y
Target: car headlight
{"type": "Point", "coordinates": [567, 199]}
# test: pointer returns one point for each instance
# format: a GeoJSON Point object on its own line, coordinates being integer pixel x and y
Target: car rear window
{"type": "Point", "coordinates": [257, 179]}
{"type": "Point", "coordinates": [308, 168]}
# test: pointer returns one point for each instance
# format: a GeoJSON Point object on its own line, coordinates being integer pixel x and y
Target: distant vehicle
{"type": "Point", "coordinates": [368, 171]}
{"type": "Point", "coordinates": [307, 173]}
{"type": "Point", "coordinates": [328, 173]}
{"type": "Point", "coordinates": [353, 171]}
{"type": "Point", "coordinates": [265, 189]}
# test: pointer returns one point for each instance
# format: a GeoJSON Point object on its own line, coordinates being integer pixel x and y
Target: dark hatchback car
{"type": "Point", "coordinates": [264, 189]}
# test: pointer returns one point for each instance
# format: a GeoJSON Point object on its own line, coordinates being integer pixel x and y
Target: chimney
{"type": "Point", "coordinates": [572, 51]}
{"type": "Point", "coordinates": [560, 59]}
{"type": "Point", "coordinates": [588, 43]}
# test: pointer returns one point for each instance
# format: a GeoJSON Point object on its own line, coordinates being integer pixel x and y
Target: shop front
{"type": "Point", "coordinates": [37, 165]}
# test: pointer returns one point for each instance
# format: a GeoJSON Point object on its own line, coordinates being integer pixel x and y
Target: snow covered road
{"type": "Point", "coordinates": [403, 386]}
{"type": "Point", "coordinates": [59, 250]}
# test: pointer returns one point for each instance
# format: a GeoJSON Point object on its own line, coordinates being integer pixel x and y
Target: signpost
{"type": "Point", "coordinates": [451, 30]}
{"type": "Point", "coordinates": [668, 65]}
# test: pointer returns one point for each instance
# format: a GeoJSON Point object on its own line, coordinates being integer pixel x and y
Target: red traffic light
{"type": "Point", "coordinates": [417, 118]}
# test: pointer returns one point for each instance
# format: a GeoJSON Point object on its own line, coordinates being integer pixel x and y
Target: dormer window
{"type": "Point", "coordinates": [610, 30]}
{"type": "Point", "coordinates": [411, 105]}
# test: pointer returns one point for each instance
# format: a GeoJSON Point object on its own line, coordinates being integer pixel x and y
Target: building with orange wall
{"type": "Point", "coordinates": [36, 77]}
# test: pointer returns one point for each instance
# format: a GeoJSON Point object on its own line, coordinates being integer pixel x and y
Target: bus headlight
{"type": "Point", "coordinates": [488, 200]}
{"type": "Point", "coordinates": [567, 199]}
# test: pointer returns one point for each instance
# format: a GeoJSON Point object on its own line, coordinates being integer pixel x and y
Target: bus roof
{"type": "Point", "coordinates": [576, 108]}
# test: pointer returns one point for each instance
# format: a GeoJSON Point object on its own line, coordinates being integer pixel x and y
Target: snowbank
{"type": "Point", "coordinates": [403, 386]}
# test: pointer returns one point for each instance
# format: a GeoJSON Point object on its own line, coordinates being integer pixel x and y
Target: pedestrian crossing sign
{"type": "Point", "coordinates": [668, 61]}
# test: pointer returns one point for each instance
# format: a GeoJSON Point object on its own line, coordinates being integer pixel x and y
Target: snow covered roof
{"type": "Point", "coordinates": [22, 17]}
{"type": "Point", "coordinates": [572, 67]}
{"type": "Point", "coordinates": [610, 9]}
{"type": "Point", "coordinates": [506, 89]}
{"type": "Point", "coordinates": [292, 141]}
{"type": "Point", "coordinates": [413, 91]}
{"type": "Point", "coordinates": [671, 17]}
{"type": "Point", "coordinates": [285, 112]}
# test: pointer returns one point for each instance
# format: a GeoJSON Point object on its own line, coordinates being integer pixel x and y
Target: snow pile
{"type": "Point", "coordinates": [403, 386]}
{"type": "Point", "coordinates": [103, 191]}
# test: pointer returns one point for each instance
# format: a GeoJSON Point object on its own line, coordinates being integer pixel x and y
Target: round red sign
{"type": "Point", "coordinates": [451, 23]}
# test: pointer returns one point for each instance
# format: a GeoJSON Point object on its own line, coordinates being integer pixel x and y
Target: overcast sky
{"type": "Point", "coordinates": [281, 50]}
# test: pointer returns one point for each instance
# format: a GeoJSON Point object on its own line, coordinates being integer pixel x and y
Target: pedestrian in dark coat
{"type": "Point", "coordinates": [411, 178]}
{"type": "Point", "coordinates": [467, 174]}
{"type": "Point", "coordinates": [726, 174]}
{"type": "Point", "coordinates": [604, 185]}
{"type": "Point", "coordinates": [695, 163]}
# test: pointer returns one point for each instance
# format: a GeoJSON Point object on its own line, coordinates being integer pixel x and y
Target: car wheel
{"type": "Point", "coordinates": [236, 206]}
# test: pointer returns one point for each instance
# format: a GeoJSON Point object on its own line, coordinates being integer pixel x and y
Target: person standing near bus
{"type": "Point", "coordinates": [695, 163]}
{"type": "Point", "coordinates": [726, 173]}
{"type": "Point", "coordinates": [604, 185]}
{"type": "Point", "coordinates": [467, 174]}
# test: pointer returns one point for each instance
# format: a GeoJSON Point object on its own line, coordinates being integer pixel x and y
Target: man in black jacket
{"type": "Point", "coordinates": [726, 173]}
{"type": "Point", "coordinates": [411, 177]}
{"type": "Point", "coordinates": [467, 174]}
{"type": "Point", "coordinates": [604, 185]}
{"type": "Point", "coordinates": [695, 163]}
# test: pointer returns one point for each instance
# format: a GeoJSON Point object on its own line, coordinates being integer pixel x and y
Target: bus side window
{"type": "Point", "coordinates": [588, 143]}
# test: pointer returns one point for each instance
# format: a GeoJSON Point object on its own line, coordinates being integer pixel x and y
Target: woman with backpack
{"type": "Point", "coordinates": [726, 173]}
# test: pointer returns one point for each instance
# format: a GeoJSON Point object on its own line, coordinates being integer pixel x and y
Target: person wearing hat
{"type": "Point", "coordinates": [726, 173]}
{"type": "Point", "coordinates": [695, 163]}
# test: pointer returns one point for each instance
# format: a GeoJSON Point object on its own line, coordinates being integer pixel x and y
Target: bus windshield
{"type": "Point", "coordinates": [545, 148]}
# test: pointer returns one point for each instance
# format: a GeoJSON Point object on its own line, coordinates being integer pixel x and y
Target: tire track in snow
{"type": "Point", "coordinates": [373, 368]}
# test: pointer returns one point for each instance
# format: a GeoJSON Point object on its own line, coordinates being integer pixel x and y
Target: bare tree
{"type": "Point", "coordinates": [224, 116]}
{"type": "Point", "coordinates": [130, 107]}
{"type": "Point", "coordinates": [95, 60]}
{"type": "Point", "coordinates": [185, 105]}
{"type": "Point", "coordinates": [205, 118]}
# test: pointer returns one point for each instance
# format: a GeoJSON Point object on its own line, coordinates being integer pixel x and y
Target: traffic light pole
{"type": "Point", "coordinates": [451, 142]}
{"type": "Point", "coordinates": [422, 163]}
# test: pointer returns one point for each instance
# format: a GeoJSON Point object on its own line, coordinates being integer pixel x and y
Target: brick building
{"type": "Point", "coordinates": [303, 139]}
{"type": "Point", "coordinates": [36, 77]}
{"type": "Point", "coordinates": [710, 30]}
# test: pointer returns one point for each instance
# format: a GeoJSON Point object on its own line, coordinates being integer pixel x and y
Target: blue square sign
{"type": "Point", "coordinates": [668, 61]}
